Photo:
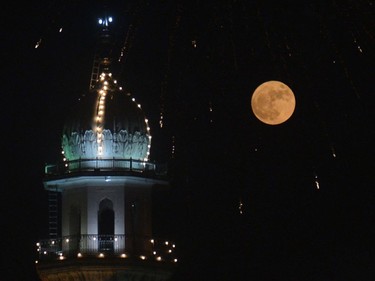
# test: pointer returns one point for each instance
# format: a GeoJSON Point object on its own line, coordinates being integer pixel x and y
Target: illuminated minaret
{"type": "Point", "coordinates": [105, 183]}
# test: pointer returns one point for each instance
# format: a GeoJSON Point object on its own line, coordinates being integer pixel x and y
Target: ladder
{"type": "Point", "coordinates": [53, 214]}
{"type": "Point", "coordinates": [95, 72]}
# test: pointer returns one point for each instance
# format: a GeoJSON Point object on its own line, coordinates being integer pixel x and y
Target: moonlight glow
{"type": "Point", "coordinates": [273, 102]}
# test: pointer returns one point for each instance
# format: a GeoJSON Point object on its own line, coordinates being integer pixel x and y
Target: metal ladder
{"type": "Point", "coordinates": [95, 72]}
{"type": "Point", "coordinates": [53, 214]}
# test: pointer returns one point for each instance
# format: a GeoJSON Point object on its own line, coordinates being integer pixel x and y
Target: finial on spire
{"type": "Point", "coordinates": [105, 21]}
{"type": "Point", "coordinates": [102, 58]}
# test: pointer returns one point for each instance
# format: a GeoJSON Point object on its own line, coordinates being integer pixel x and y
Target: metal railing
{"type": "Point", "coordinates": [101, 246]}
{"type": "Point", "coordinates": [112, 164]}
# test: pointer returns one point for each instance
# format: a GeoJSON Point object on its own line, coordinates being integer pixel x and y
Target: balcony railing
{"type": "Point", "coordinates": [102, 246]}
{"type": "Point", "coordinates": [113, 164]}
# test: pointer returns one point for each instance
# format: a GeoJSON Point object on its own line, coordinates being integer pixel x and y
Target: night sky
{"type": "Point", "coordinates": [306, 186]}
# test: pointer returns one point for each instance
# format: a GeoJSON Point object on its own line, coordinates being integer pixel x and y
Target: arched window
{"type": "Point", "coordinates": [106, 225]}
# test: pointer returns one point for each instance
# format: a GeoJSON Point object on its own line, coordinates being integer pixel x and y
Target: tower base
{"type": "Point", "coordinates": [104, 270]}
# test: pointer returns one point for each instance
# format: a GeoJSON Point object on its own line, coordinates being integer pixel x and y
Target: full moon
{"type": "Point", "coordinates": [273, 102]}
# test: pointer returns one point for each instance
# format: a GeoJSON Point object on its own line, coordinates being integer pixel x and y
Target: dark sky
{"type": "Point", "coordinates": [183, 59]}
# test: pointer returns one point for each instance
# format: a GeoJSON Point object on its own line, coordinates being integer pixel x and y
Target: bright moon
{"type": "Point", "coordinates": [273, 102]}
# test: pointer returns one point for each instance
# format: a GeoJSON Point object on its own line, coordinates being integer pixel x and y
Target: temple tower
{"type": "Point", "coordinates": [101, 218]}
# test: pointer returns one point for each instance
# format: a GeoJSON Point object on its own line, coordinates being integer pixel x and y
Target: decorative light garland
{"type": "Point", "coordinates": [158, 256]}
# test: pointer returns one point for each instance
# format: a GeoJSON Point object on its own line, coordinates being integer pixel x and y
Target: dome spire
{"type": "Point", "coordinates": [102, 59]}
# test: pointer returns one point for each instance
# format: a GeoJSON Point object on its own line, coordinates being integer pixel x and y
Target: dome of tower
{"type": "Point", "coordinates": [105, 124]}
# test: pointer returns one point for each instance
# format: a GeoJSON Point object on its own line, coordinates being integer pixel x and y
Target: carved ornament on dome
{"type": "Point", "coordinates": [121, 144]}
